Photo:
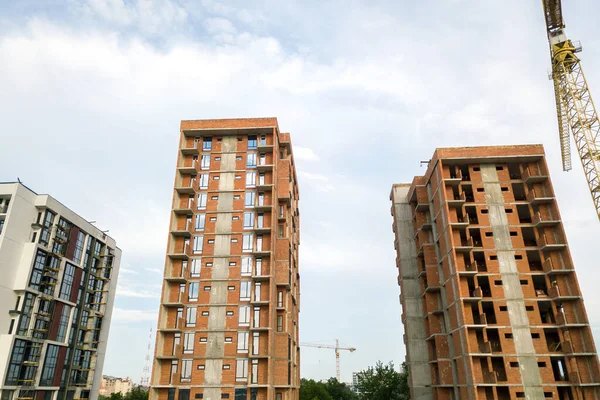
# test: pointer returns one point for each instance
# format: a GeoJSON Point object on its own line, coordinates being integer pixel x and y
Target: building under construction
{"type": "Point", "coordinates": [491, 303]}
{"type": "Point", "coordinates": [228, 319]}
{"type": "Point", "coordinates": [58, 275]}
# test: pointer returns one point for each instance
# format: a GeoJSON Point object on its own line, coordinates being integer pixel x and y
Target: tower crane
{"type": "Point", "coordinates": [337, 349]}
{"type": "Point", "coordinates": [574, 105]}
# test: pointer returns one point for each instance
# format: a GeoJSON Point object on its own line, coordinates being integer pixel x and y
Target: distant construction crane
{"type": "Point", "coordinates": [574, 105]}
{"type": "Point", "coordinates": [337, 349]}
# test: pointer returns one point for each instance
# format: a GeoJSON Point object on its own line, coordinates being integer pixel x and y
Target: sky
{"type": "Point", "coordinates": [93, 91]}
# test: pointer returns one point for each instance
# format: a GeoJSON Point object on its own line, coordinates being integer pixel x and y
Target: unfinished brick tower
{"type": "Point", "coordinates": [491, 304]}
{"type": "Point", "coordinates": [228, 320]}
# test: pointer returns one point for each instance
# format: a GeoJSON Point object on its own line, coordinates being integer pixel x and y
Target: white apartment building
{"type": "Point", "coordinates": [58, 275]}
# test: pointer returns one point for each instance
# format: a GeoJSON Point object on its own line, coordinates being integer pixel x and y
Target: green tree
{"type": "Point", "coordinates": [312, 390]}
{"type": "Point", "coordinates": [383, 382]}
{"type": "Point", "coordinates": [339, 391]}
{"type": "Point", "coordinates": [137, 393]}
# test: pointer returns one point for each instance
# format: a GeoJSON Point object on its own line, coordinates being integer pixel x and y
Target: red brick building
{"type": "Point", "coordinates": [491, 303]}
{"type": "Point", "coordinates": [228, 320]}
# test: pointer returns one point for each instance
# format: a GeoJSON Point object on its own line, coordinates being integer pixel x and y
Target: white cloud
{"type": "Point", "coordinates": [128, 271]}
{"type": "Point", "coordinates": [155, 270]}
{"type": "Point", "coordinates": [304, 154]}
{"type": "Point", "coordinates": [124, 315]}
{"type": "Point", "coordinates": [317, 181]}
{"type": "Point", "coordinates": [138, 290]}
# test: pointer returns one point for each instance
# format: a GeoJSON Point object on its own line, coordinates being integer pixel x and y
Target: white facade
{"type": "Point", "coordinates": [112, 385]}
{"type": "Point", "coordinates": [58, 275]}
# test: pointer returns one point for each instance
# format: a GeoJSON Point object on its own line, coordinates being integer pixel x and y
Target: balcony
{"type": "Point", "coordinates": [475, 295]}
{"type": "Point", "coordinates": [454, 179]}
{"type": "Point", "coordinates": [187, 187]}
{"type": "Point", "coordinates": [461, 223]}
{"type": "Point", "coordinates": [570, 322]}
{"type": "Point", "coordinates": [537, 197]}
{"type": "Point", "coordinates": [190, 167]}
{"type": "Point", "coordinates": [465, 246]}
{"type": "Point", "coordinates": [549, 244]}
{"type": "Point", "coordinates": [175, 276]}
{"type": "Point", "coordinates": [264, 167]}
{"type": "Point", "coordinates": [541, 222]}
{"type": "Point", "coordinates": [190, 149]}
{"type": "Point", "coordinates": [485, 348]}
{"type": "Point", "coordinates": [532, 175]}
{"type": "Point", "coordinates": [551, 269]}
{"type": "Point", "coordinates": [262, 229]}
{"type": "Point", "coordinates": [479, 321]}
{"type": "Point", "coordinates": [183, 229]}
{"type": "Point", "coordinates": [179, 324]}
{"type": "Point", "coordinates": [555, 294]}
{"type": "Point", "coordinates": [469, 270]}
{"type": "Point", "coordinates": [457, 201]}
{"type": "Point", "coordinates": [185, 207]}
{"type": "Point", "coordinates": [181, 252]}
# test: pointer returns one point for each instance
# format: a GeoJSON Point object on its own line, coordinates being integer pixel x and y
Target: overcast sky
{"type": "Point", "coordinates": [92, 93]}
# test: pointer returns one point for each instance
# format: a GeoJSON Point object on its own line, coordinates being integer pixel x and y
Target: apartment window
{"type": "Point", "coordinates": [203, 181]}
{"type": "Point", "coordinates": [46, 227]}
{"type": "Point", "coordinates": [229, 313]}
{"type": "Point", "coordinates": [259, 242]}
{"type": "Point", "coordinates": [49, 366]}
{"type": "Point", "coordinates": [200, 221]}
{"type": "Point", "coordinates": [241, 369]}
{"type": "Point", "coordinates": [235, 218]}
{"type": "Point", "coordinates": [207, 288]}
{"type": "Point", "coordinates": [256, 320]}
{"type": "Point", "coordinates": [251, 142]}
{"type": "Point", "coordinates": [63, 324]}
{"type": "Point", "coordinates": [236, 197]}
{"type": "Point", "coordinates": [261, 199]}
{"type": "Point", "coordinates": [280, 323]}
{"type": "Point", "coordinates": [248, 238]}
{"type": "Point", "coordinates": [176, 341]}
{"type": "Point", "coordinates": [205, 313]}
{"type": "Point", "coordinates": [278, 396]}
{"type": "Point", "coordinates": [190, 316]}
{"type": "Point", "coordinates": [67, 283]}
{"type": "Point", "coordinates": [257, 286]}
{"type": "Point", "coordinates": [37, 270]}
{"type": "Point", "coordinates": [213, 219]}
{"type": "Point", "coordinates": [232, 263]}
{"type": "Point", "coordinates": [249, 199]}
{"type": "Point", "coordinates": [281, 211]}
{"type": "Point", "coordinates": [260, 220]}
{"type": "Point", "coordinates": [279, 299]}
{"type": "Point", "coordinates": [205, 162]}
{"type": "Point", "coordinates": [248, 220]}
{"type": "Point", "coordinates": [280, 231]}
{"type": "Point", "coordinates": [250, 179]}
{"type": "Point", "coordinates": [186, 370]}
{"type": "Point", "coordinates": [261, 179]}
{"type": "Point", "coordinates": [207, 144]}
{"type": "Point", "coordinates": [193, 291]}
{"type": "Point", "coordinates": [211, 241]}
{"type": "Point", "coordinates": [214, 198]}
{"type": "Point", "coordinates": [188, 343]}
{"type": "Point", "coordinates": [251, 160]}
{"type": "Point", "coordinates": [203, 340]}
{"type": "Point", "coordinates": [254, 378]}
{"type": "Point", "coordinates": [244, 316]}
{"type": "Point", "coordinates": [202, 198]}
{"type": "Point", "coordinates": [230, 287]}
{"type": "Point", "coordinates": [245, 287]}
{"type": "Point", "coordinates": [238, 158]}
{"type": "Point", "coordinates": [259, 267]}
{"type": "Point", "coordinates": [246, 266]}
{"type": "Point", "coordinates": [195, 271]}
{"type": "Point", "coordinates": [228, 340]}
{"type": "Point", "coordinates": [263, 159]}
{"type": "Point", "coordinates": [242, 342]}
{"type": "Point", "coordinates": [198, 240]}
{"type": "Point", "coordinates": [173, 370]}
{"type": "Point", "coordinates": [216, 177]}
{"type": "Point", "coordinates": [79, 247]}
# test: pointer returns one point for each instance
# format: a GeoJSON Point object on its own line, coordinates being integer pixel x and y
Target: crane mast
{"type": "Point", "coordinates": [574, 105]}
{"type": "Point", "coordinates": [337, 349]}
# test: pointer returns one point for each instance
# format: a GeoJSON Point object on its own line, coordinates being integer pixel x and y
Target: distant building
{"type": "Point", "coordinates": [356, 377]}
{"type": "Point", "coordinates": [111, 385]}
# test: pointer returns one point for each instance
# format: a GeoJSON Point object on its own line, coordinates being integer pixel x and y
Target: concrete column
{"type": "Point", "coordinates": [530, 373]}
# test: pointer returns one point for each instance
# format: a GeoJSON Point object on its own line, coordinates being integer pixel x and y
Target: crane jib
{"type": "Point", "coordinates": [553, 13]}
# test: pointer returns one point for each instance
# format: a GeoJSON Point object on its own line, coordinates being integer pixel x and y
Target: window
{"type": "Point", "coordinates": [49, 365]}
{"type": "Point", "coordinates": [229, 313]}
{"type": "Point", "coordinates": [256, 319]}
{"type": "Point", "coordinates": [280, 211]}
{"type": "Point", "coordinates": [195, 271]}
{"type": "Point", "coordinates": [279, 299]}
{"type": "Point", "coordinates": [245, 290]}
{"type": "Point", "coordinates": [252, 142]}
{"type": "Point", "coordinates": [249, 199]}
{"type": "Point", "coordinates": [278, 396]}
{"type": "Point", "coordinates": [207, 288]}
{"type": "Point", "coordinates": [63, 323]}
{"type": "Point", "coordinates": [257, 291]}
{"type": "Point", "coordinates": [261, 199]}
{"type": "Point", "coordinates": [244, 316]}
{"type": "Point", "coordinates": [240, 394]}
{"type": "Point", "coordinates": [259, 267]}
{"type": "Point", "coordinates": [246, 266]}
{"type": "Point", "coordinates": [67, 283]}
{"type": "Point", "coordinates": [198, 240]}
{"type": "Point", "coordinates": [203, 340]}
{"type": "Point", "coordinates": [226, 366]}
{"type": "Point", "coordinates": [248, 238]}
{"type": "Point", "coordinates": [260, 220]}
{"type": "Point", "coordinates": [201, 367]}
{"type": "Point", "coordinates": [232, 263]}
{"type": "Point", "coordinates": [228, 339]}
{"type": "Point", "coordinates": [213, 219]}
{"type": "Point", "coordinates": [230, 287]}
{"type": "Point", "coordinates": [242, 342]}
{"type": "Point", "coordinates": [46, 226]}
{"type": "Point", "coordinates": [258, 242]}
{"type": "Point", "coordinates": [200, 221]}
{"type": "Point", "coordinates": [254, 371]}
{"type": "Point", "coordinates": [37, 270]}
{"type": "Point", "coordinates": [280, 323]}
{"type": "Point", "coordinates": [188, 343]}
{"type": "Point", "coordinates": [250, 179]}
{"type": "Point", "coordinates": [251, 160]}
{"type": "Point", "coordinates": [205, 162]}
{"type": "Point", "coordinates": [193, 291]}
{"type": "Point", "coordinates": [173, 371]}
{"type": "Point", "coordinates": [190, 316]}
{"type": "Point", "coordinates": [207, 144]}
{"type": "Point", "coordinates": [280, 231]}
{"type": "Point", "coordinates": [79, 247]}
{"type": "Point", "coordinates": [202, 198]}
{"type": "Point", "coordinates": [203, 181]}
{"type": "Point", "coordinates": [216, 177]}
{"type": "Point", "coordinates": [186, 370]}
{"type": "Point", "coordinates": [235, 218]}
{"type": "Point", "coordinates": [241, 370]}
{"type": "Point", "coordinates": [205, 313]}
{"type": "Point", "coordinates": [261, 179]}
{"type": "Point", "coordinates": [248, 220]}
{"type": "Point", "coordinates": [214, 197]}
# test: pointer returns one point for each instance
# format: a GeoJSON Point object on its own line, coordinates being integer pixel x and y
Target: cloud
{"type": "Point", "coordinates": [124, 315]}
{"type": "Point", "coordinates": [304, 154]}
{"type": "Point", "coordinates": [155, 270]}
{"type": "Point", "coordinates": [138, 290]}
{"type": "Point", "coordinates": [316, 181]}
{"type": "Point", "coordinates": [128, 271]}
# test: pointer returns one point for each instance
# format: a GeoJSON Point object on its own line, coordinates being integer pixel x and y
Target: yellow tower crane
{"type": "Point", "coordinates": [337, 349]}
{"type": "Point", "coordinates": [574, 105]}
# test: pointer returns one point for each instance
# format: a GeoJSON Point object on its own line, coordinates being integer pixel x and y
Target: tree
{"type": "Point", "coordinates": [383, 382]}
{"type": "Point", "coordinates": [311, 390]}
{"type": "Point", "coordinates": [339, 391]}
{"type": "Point", "coordinates": [137, 393]}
